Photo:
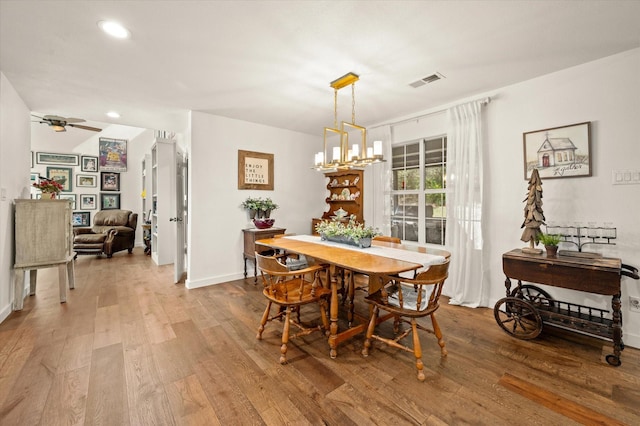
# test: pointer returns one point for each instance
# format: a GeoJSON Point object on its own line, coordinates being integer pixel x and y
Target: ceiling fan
{"type": "Point", "coordinates": [59, 123]}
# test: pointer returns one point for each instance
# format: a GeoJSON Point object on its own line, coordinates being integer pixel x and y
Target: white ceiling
{"type": "Point", "coordinates": [271, 62]}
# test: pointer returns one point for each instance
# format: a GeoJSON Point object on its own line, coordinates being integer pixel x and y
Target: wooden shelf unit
{"type": "Point", "coordinates": [337, 182]}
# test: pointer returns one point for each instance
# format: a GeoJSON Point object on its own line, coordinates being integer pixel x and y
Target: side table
{"type": "Point", "coordinates": [251, 235]}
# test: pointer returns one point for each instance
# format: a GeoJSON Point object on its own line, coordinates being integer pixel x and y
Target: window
{"type": "Point", "coordinates": [418, 186]}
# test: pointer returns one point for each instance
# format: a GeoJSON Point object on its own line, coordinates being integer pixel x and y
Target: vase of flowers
{"type": "Point", "coordinates": [49, 187]}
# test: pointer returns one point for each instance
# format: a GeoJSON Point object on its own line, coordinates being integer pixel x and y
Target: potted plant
{"type": "Point", "coordinates": [265, 207]}
{"type": "Point", "coordinates": [253, 205]}
{"type": "Point", "coordinates": [49, 187]}
{"type": "Point", "coordinates": [350, 233]}
{"type": "Point", "coordinates": [550, 242]}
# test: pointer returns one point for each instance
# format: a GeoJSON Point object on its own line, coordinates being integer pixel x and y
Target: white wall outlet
{"type": "Point", "coordinates": [634, 304]}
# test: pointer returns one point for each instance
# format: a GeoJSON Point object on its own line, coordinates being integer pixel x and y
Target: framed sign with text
{"type": "Point", "coordinates": [255, 170]}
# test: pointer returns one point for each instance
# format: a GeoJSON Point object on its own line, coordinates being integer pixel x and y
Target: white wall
{"type": "Point", "coordinates": [15, 135]}
{"type": "Point", "coordinates": [216, 218]}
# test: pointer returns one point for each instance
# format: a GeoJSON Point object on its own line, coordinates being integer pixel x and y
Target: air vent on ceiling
{"type": "Point", "coordinates": [428, 79]}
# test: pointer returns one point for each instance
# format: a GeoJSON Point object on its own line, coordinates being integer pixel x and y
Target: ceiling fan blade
{"type": "Point", "coordinates": [54, 118]}
{"type": "Point", "coordinates": [79, 126]}
{"type": "Point", "coordinates": [74, 120]}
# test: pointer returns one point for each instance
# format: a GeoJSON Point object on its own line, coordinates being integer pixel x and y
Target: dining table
{"type": "Point", "coordinates": [382, 258]}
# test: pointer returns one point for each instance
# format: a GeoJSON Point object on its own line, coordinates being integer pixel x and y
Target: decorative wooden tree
{"type": "Point", "coordinates": [533, 216]}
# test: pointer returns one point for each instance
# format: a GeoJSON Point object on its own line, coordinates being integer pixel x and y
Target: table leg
{"type": "Point", "coordinates": [62, 282]}
{"type": "Point", "coordinates": [333, 328]}
{"type": "Point", "coordinates": [507, 284]}
{"type": "Point", "coordinates": [617, 326]}
{"type": "Point", "coordinates": [244, 262]}
{"type": "Point", "coordinates": [18, 289]}
{"type": "Point", "coordinates": [71, 275]}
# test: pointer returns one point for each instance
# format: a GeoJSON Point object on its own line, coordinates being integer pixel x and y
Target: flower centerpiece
{"type": "Point", "coordinates": [349, 233]}
{"type": "Point", "coordinates": [49, 187]}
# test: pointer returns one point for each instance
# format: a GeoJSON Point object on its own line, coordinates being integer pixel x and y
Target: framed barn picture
{"type": "Point", "coordinates": [558, 152]}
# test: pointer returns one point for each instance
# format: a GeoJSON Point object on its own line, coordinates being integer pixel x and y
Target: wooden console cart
{"type": "Point", "coordinates": [526, 308]}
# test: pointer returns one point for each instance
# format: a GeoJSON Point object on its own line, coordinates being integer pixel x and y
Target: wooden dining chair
{"type": "Point", "coordinates": [406, 300]}
{"type": "Point", "coordinates": [290, 290]}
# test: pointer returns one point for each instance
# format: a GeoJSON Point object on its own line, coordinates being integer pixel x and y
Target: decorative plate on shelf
{"type": "Point", "coordinates": [340, 213]}
{"type": "Point", "coordinates": [346, 194]}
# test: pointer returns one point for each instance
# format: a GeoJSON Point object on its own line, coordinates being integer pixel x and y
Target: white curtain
{"type": "Point", "coordinates": [378, 178]}
{"type": "Point", "coordinates": [465, 284]}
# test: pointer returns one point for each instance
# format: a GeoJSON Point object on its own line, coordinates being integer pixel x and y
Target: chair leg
{"type": "Point", "coordinates": [370, 330]}
{"type": "Point", "coordinates": [263, 321]}
{"type": "Point", "coordinates": [285, 337]}
{"type": "Point", "coordinates": [438, 333]}
{"type": "Point", "coordinates": [417, 350]}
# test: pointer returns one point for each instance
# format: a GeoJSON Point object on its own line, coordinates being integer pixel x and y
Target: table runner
{"type": "Point", "coordinates": [424, 259]}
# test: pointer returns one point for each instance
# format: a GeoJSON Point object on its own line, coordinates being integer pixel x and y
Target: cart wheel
{"type": "Point", "coordinates": [518, 317]}
{"type": "Point", "coordinates": [613, 360]}
{"type": "Point", "coordinates": [535, 295]}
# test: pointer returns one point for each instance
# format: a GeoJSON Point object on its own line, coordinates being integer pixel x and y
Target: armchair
{"type": "Point", "coordinates": [113, 231]}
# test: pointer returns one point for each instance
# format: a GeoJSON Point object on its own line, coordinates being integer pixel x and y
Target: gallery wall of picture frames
{"type": "Point", "coordinates": [82, 174]}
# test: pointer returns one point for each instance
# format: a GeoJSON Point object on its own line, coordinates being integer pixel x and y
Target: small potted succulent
{"type": "Point", "coordinates": [550, 242]}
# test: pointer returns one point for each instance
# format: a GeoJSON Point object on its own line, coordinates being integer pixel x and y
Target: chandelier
{"type": "Point", "coordinates": [344, 156]}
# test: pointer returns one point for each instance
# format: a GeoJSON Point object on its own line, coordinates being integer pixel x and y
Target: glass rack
{"type": "Point", "coordinates": [583, 235]}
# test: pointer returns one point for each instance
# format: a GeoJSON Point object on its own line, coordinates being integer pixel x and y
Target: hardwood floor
{"type": "Point", "coordinates": [131, 348]}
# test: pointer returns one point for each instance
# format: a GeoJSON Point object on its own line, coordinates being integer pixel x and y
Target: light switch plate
{"type": "Point", "coordinates": [625, 177]}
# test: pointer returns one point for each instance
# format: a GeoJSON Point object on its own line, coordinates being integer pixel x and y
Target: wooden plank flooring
{"type": "Point", "coordinates": [131, 348]}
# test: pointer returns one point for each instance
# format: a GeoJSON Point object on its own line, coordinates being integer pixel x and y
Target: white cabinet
{"type": "Point", "coordinates": [43, 239]}
{"type": "Point", "coordinates": [163, 201]}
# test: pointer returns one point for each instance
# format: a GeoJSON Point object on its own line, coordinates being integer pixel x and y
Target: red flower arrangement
{"type": "Point", "coordinates": [48, 186]}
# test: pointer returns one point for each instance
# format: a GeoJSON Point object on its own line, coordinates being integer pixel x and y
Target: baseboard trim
{"type": "Point", "coordinates": [204, 282]}
{"type": "Point", "coordinates": [6, 311]}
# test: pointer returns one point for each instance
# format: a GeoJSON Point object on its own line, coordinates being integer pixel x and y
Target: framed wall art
{"type": "Point", "coordinates": [70, 197]}
{"type": "Point", "coordinates": [81, 218]}
{"type": "Point", "coordinates": [62, 175]}
{"type": "Point", "coordinates": [87, 181]}
{"type": "Point", "coordinates": [53, 158]}
{"type": "Point", "coordinates": [109, 201]}
{"type": "Point", "coordinates": [558, 152]}
{"type": "Point", "coordinates": [255, 170]}
{"type": "Point", "coordinates": [88, 201]}
{"type": "Point", "coordinates": [112, 155]}
{"type": "Point", "coordinates": [109, 181]}
{"type": "Point", "coordinates": [88, 163]}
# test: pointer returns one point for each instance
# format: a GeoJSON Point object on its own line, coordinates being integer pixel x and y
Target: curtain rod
{"type": "Point", "coordinates": [483, 101]}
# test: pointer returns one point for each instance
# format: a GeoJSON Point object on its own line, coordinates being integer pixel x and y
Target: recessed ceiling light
{"type": "Point", "coordinates": [114, 29]}
{"type": "Point", "coordinates": [113, 114]}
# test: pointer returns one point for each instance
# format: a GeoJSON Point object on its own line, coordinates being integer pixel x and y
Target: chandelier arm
{"type": "Point", "coordinates": [353, 103]}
